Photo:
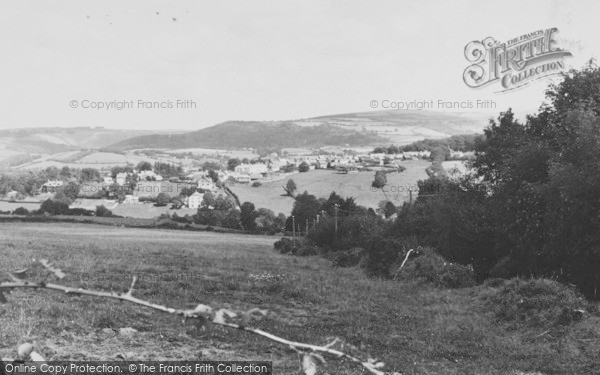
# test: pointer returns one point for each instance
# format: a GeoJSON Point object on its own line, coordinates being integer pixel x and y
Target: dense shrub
{"type": "Point", "coordinates": [534, 302]}
{"type": "Point", "coordinates": [20, 211]}
{"type": "Point", "coordinates": [284, 245]}
{"type": "Point", "coordinates": [305, 249]}
{"type": "Point", "coordinates": [431, 267]}
{"type": "Point", "coordinates": [381, 255]}
{"type": "Point", "coordinates": [346, 258]}
{"type": "Point", "coordinates": [103, 211]}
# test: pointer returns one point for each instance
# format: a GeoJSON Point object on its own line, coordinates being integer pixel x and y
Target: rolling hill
{"type": "Point", "coordinates": [352, 129]}
{"type": "Point", "coordinates": [53, 140]}
{"type": "Point", "coordinates": [253, 134]}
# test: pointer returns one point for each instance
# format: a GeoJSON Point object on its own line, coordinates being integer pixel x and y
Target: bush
{"type": "Point", "coordinates": [433, 268]}
{"type": "Point", "coordinates": [348, 258]}
{"type": "Point", "coordinates": [535, 302]}
{"type": "Point", "coordinates": [305, 250]}
{"type": "Point", "coordinates": [20, 211]}
{"type": "Point", "coordinates": [284, 245]}
{"type": "Point", "coordinates": [381, 255]}
{"type": "Point", "coordinates": [256, 184]}
{"type": "Point", "coordinates": [103, 211]}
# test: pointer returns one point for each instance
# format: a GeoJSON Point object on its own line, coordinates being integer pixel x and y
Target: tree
{"type": "Point", "coordinates": [248, 216]}
{"type": "Point", "coordinates": [71, 190]}
{"type": "Point", "coordinates": [232, 163]}
{"type": "Point", "coordinates": [209, 200]}
{"type": "Point", "coordinates": [306, 208]}
{"type": "Point", "coordinates": [162, 199]}
{"type": "Point", "coordinates": [65, 172]}
{"type": "Point", "coordinates": [168, 170]}
{"type": "Point", "coordinates": [89, 175]}
{"type": "Point", "coordinates": [118, 192]}
{"type": "Point", "coordinates": [380, 180]}
{"type": "Point", "coordinates": [303, 167]}
{"type": "Point", "coordinates": [102, 211]}
{"type": "Point", "coordinates": [177, 203]}
{"type": "Point", "coordinates": [290, 187]}
{"type": "Point", "coordinates": [214, 176]}
{"type": "Point", "coordinates": [21, 211]}
{"type": "Point", "coordinates": [387, 208]}
{"type": "Point", "coordinates": [288, 168]}
{"type": "Point", "coordinates": [144, 166]}
{"type": "Point", "coordinates": [54, 207]}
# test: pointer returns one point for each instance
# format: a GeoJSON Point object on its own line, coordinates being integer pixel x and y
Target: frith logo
{"type": "Point", "coordinates": [514, 63]}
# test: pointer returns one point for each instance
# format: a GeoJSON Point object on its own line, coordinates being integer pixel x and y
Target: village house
{"type": "Point", "coordinates": [131, 199]}
{"type": "Point", "coordinates": [151, 189]}
{"type": "Point", "coordinates": [206, 184]}
{"type": "Point", "coordinates": [51, 186]}
{"type": "Point", "coordinates": [195, 200]}
{"type": "Point", "coordinates": [252, 169]}
{"type": "Point", "coordinates": [11, 195]}
{"type": "Point", "coordinates": [120, 178]}
{"type": "Point", "coordinates": [149, 176]}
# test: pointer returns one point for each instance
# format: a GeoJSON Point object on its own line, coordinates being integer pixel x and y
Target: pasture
{"type": "Point", "coordinates": [322, 182]}
{"type": "Point", "coordinates": [414, 328]}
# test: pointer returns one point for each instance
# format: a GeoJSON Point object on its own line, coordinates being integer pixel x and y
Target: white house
{"type": "Point", "coordinates": [195, 200]}
{"type": "Point", "coordinates": [131, 199]}
{"type": "Point", "coordinates": [205, 184]}
{"type": "Point", "coordinates": [251, 169]}
{"type": "Point", "coordinates": [121, 178]}
{"type": "Point", "coordinates": [51, 186]}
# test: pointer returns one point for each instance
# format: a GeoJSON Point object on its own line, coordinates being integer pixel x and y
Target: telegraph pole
{"type": "Point", "coordinates": [335, 208]}
{"type": "Point", "coordinates": [294, 228]}
{"type": "Point", "coordinates": [410, 194]}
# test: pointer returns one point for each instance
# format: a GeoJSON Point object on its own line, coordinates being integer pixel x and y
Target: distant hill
{"type": "Point", "coordinates": [54, 140]}
{"type": "Point", "coordinates": [353, 129]}
{"type": "Point", "coordinates": [254, 134]}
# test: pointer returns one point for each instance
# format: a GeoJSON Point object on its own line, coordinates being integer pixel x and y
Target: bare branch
{"type": "Point", "coordinates": [222, 317]}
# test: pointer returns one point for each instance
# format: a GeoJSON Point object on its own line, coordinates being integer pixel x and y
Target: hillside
{"type": "Point", "coordinates": [19, 146]}
{"type": "Point", "coordinates": [54, 139]}
{"type": "Point", "coordinates": [253, 134]}
{"type": "Point", "coordinates": [352, 129]}
{"type": "Point", "coordinates": [407, 126]}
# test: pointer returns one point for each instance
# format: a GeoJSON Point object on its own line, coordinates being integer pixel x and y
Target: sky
{"type": "Point", "coordinates": [259, 59]}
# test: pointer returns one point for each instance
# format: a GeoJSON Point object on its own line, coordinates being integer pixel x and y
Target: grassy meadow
{"type": "Point", "coordinates": [413, 327]}
{"type": "Point", "coordinates": [322, 182]}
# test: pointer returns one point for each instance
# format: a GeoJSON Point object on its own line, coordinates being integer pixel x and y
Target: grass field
{"type": "Point", "coordinates": [414, 328]}
{"type": "Point", "coordinates": [322, 182]}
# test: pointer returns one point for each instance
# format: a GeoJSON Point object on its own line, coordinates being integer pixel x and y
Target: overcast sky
{"type": "Point", "coordinates": [259, 60]}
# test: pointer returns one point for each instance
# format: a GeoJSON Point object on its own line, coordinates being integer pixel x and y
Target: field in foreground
{"type": "Point", "coordinates": [414, 328]}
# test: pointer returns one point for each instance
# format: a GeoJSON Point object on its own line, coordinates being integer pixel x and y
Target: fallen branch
{"type": "Point", "coordinates": [205, 313]}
